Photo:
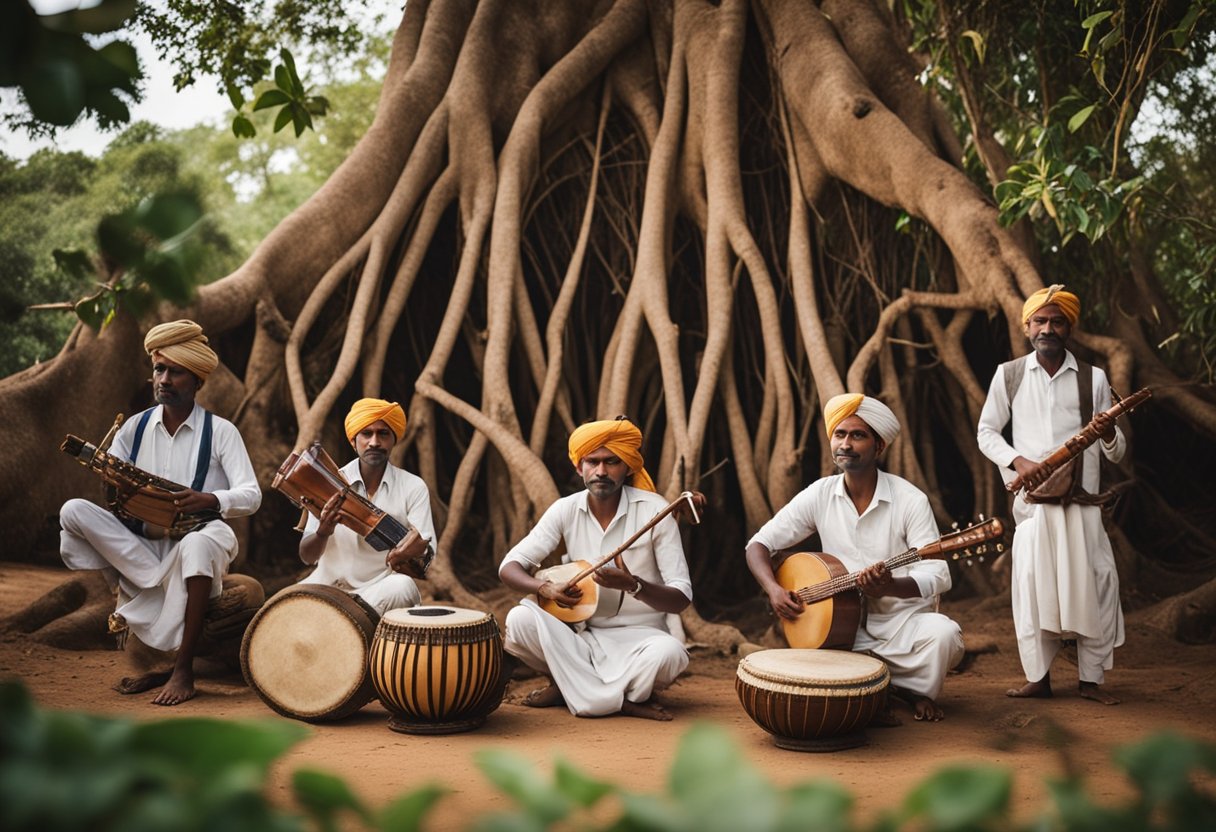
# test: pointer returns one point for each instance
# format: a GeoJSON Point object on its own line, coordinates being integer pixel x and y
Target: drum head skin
{"type": "Point", "coordinates": [305, 653]}
{"type": "Point", "coordinates": [434, 616]}
{"type": "Point", "coordinates": [812, 700]}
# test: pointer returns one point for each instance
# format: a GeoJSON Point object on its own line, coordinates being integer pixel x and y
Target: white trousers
{"type": "Point", "coordinates": [151, 573]}
{"type": "Point", "coordinates": [598, 668]}
{"type": "Point", "coordinates": [921, 652]}
{"type": "Point", "coordinates": [388, 592]}
{"type": "Point", "coordinates": [1064, 583]}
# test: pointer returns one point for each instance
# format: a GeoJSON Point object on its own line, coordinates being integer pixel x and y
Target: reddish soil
{"type": "Point", "coordinates": [1163, 684]}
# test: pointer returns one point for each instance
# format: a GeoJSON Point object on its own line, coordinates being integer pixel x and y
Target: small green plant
{"type": "Point", "coordinates": [66, 771]}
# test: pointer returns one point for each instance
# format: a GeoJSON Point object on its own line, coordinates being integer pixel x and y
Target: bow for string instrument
{"type": "Point", "coordinates": [833, 612]}
{"type": "Point", "coordinates": [1074, 446]}
{"type": "Point", "coordinates": [581, 573]}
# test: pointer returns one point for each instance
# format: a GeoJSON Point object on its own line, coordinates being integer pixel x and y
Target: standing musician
{"type": "Point", "coordinates": [864, 515]}
{"type": "Point", "coordinates": [1064, 578]}
{"type": "Point", "coordinates": [344, 559]}
{"type": "Point", "coordinates": [613, 662]}
{"type": "Point", "coordinates": [164, 584]}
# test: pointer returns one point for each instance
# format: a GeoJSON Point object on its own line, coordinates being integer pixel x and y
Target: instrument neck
{"type": "Point", "coordinates": [841, 583]}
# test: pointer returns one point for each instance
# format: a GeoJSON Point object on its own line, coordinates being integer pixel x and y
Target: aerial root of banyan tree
{"type": "Point", "coordinates": [563, 211]}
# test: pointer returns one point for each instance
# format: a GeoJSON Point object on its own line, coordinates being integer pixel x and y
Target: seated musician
{"type": "Point", "coordinates": [613, 662]}
{"type": "Point", "coordinates": [344, 559]}
{"type": "Point", "coordinates": [863, 516]}
{"type": "Point", "coordinates": [164, 584]}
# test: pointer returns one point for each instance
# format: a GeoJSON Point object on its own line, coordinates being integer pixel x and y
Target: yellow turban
{"type": "Point", "coordinates": [184, 344]}
{"type": "Point", "coordinates": [870, 410]}
{"type": "Point", "coordinates": [366, 411]}
{"type": "Point", "coordinates": [1069, 303]}
{"type": "Point", "coordinates": [620, 436]}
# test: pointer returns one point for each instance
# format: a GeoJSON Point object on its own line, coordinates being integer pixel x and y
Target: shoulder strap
{"type": "Point", "coordinates": [1014, 370]}
{"type": "Point", "coordinates": [139, 433]}
{"type": "Point", "coordinates": [204, 454]}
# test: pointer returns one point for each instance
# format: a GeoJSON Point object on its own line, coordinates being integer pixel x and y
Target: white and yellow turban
{"type": "Point", "coordinates": [367, 411]}
{"type": "Point", "coordinates": [870, 410]}
{"type": "Point", "coordinates": [184, 344]}
{"type": "Point", "coordinates": [620, 436]}
{"type": "Point", "coordinates": [1069, 303]}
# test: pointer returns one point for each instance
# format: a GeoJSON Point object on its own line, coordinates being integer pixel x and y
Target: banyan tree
{"type": "Point", "coordinates": [710, 216]}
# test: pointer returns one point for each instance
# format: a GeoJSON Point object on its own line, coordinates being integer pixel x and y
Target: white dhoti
{"type": "Point", "coordinates": [596, 668]}
{"type": "Point", "coordinates": [1063, 586]}
{"type": "Point", "coordinates": [919, 653]}
{"type": "Point", "coordinates": [388, 591]}
{"type": "Point", "coordinates": [151, 573]}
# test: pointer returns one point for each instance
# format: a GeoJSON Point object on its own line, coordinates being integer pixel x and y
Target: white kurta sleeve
{"type": "Point", "coordinates": [669, 556]}
{"type": "Point", "coordinates": [418, 513]}
{"type": "Point", "coordinates": [993, 419]}
{"type": "Point", "coordinates": [540, 542]}
{"type": "Point", "coordinates": [931, 575]}
{"type": "Point", "coordinates": [242, 496]}
{"type": "Point", "coordinates": [1102, 401]}
{"type": "Point", "coordinates": [794, 523]}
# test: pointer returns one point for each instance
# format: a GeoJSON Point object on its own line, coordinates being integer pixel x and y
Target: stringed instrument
{"type": "Point", "coordinates": [830, 592]}
{"type": "Point", "coordinates": [1074, 446]}
{"type": "Point", "coordinates": [581, 573]}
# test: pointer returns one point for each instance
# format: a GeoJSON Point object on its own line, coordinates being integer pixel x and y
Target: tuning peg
{"type": "Point", "coordinates": [954, 525]}
{"type": "Point", "coordinates": [1000, 547]}
{"type": "Point", "coordinates": [981, 558]}
{"type": "Point", "coordinates": [982, 518]}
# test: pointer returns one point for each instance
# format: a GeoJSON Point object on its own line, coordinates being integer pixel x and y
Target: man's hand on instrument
{"type": "Point", "coordinates": [551, 591]}
{"type": "Point", "coordinates": [409, 556]}
{"type": "Point", "coordinates": [683, 512]}
{"type": "Point", "coordinates": [1033, 474]}
{"type": "Point", "coordinates": [190, 501]}
{"type": "Point", "coordinates": [328, 519]}
{"type": "Point", "coordinates": [785, 603]}
{"type": "Point", "coordinates": [1105, 423]}
{"type": "Point", "coordinates": [614, 578]}
{"type": "Point", "coordinates": [875, 580]}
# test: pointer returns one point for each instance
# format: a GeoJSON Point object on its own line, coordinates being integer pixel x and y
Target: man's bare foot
{"type": "Point", "coordinates": [545, 697]}
{"type": "Point", "coordinates": [1090, 690]}
{"type": "Point", "coordinates": [139, 684]}
{"type": "Point", "coordinates": [179, 689]}
{"type": "Point", "coordinates": [646, 710]}
{"type": "Point", "coordinates": [1032, 690]}
{"type": "Point", "coordinates": [923, 708]}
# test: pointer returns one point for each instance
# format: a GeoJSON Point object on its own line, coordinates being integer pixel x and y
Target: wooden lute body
{"type": "Point", "coordinates": [833, 604]}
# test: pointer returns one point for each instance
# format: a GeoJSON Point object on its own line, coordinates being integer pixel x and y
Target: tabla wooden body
{"type": "Point", "coordinates": [306, 653]}
{"type": "Point", "coordinates": [438, 670]}
{"type": "Point", "coordinates": [812, 700]}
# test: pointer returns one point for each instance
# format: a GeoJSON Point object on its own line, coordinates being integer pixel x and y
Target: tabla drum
{"type": "Point", "coordinates": [438, 670]}
{"type": "Point", "coordinates": [812, 700]}
{"type": "Point", "coordinates": [306, 653]}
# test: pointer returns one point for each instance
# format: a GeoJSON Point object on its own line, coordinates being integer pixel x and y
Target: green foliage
{"type": "Point", "coordinates": [296, 106]}
{"type": "Point", "coordinates": [65, 771]}
{"type": "Point", "coordinates": [59, 73]}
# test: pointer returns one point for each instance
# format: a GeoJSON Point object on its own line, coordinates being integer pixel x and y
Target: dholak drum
{"type": "Point", "coordinates": [306, 653]}
{"type": "Point", "coordinates": [438, 670]}
{"type": "Point", "coordinates": [812, 700]}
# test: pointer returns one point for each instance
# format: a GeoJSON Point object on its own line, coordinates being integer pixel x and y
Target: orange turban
{"type": "Point", "coordinates": [870, 410]}
{"type": "Point", "coordinates": [184, 344]}
{"type": "Point", "coordinates": [1069, 303]}
{"type": "Point", "coordinates": [620, 436]}
{"type": "Point", "coordinates": [366, 411]}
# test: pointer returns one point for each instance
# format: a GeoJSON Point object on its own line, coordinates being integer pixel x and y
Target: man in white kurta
{"type": "Point", "coordinates": [344, 559]}
{"type": "Point", "coordinates": [864, 516]}
{"type": "Point", "coordinates": [153, 575]}
{"type": "Point", "coordinates": [1064, 581]}
{"type": "Point", "coordinates": [613, 662]}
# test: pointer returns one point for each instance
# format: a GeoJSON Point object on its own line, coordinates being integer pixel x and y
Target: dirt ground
{"type": "Point", "coordinates": [1163, 685]}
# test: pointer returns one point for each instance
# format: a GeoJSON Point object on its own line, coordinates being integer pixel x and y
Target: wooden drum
{"type": "Point", "coordinates": [438, 670]}
{"type": "Point", "coordinates": [306, 653]}
{"type": "Point", "coordinates": [812, 700]}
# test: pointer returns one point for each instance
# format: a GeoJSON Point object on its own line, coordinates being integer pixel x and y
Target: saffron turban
{"type": "Point", "coordinates": [184, 344]}
{"type": "Point", "coordinates": [621, 437]}
{"type": "Point", "coordinates": [367, 411]}
{"type": "Point", "coordinates": [870, 410]}
{"type": "Point", "coordinates": [1069, 303]}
